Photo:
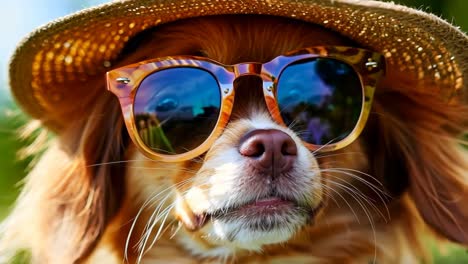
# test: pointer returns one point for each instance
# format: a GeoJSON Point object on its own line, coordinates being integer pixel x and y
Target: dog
{"type": "Point", "coordinates": [93, 197]}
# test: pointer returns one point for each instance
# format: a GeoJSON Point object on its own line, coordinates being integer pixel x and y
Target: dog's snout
{"type": "Point", "coordinates": [269, 149]}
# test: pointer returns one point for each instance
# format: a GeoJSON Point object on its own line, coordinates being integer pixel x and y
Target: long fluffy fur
{"type": "Point", "coordinates": [79, 200]}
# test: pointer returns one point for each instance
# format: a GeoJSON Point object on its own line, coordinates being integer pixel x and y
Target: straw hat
{"type": "Point", "coordinates": [50, 68]}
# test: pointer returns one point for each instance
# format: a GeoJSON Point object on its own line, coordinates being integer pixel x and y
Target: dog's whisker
{"type": "Point", "coordinates": [145, 204]}
{"type": "Point", "coordinates": [350, 190]}
{"type": "Point", "coordinates": [325, 165]}
{"type": "Point", "coordinates": [357, 198]}
{"type": "Point", "coordinates": [343, 198]}
{"type": "Point", "coordinates": [359, 172]}
{"type": "Point", "coordinates": [164, 213]}
{"type": "Point", "coordinates": [157, 211]}
{"type": "Point", "coordinates": [198, 160]}
{"type": "Point", "coordinates": [366, 199]}
{"type": "Point", "coordinates": [151, 223]}
{"type": "Point", "coordinates": [326, 193]}
{"type": "Point", "coordinates": [322, 147]}
{"type": "Point", "coordinates": [293, 123]}
{"type": "Point", "coordinates": [135, 221]}
{"type": "Point", "coordinates": [381, 194]}
{"type": "Point", "coordinates": [112, 163]}
{"type": "Point", "coordinates": [193, 172]}
{"type": "Point", "coordinates": [350, 186]}
{"type": "Point", "coordinates": [169, 225]}
{"type": "Point", "coordinates": [179, 226]}
{"type": "Point", "coordinates": [324, 155]}
{"type": "Point", "coordinates": [142, 250]}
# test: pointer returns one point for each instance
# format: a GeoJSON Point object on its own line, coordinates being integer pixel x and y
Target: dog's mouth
{"type": "Point", "coordinates": [263, 214]}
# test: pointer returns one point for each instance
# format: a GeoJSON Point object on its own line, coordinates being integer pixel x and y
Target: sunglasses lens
{"type": "Point", "coordinates": [176, 109]}
{"type": "Point", "coordinates": [320, 99]}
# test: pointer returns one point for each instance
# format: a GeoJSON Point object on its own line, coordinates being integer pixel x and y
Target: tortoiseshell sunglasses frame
{"type": "Point", "coordinates": [125, 81]}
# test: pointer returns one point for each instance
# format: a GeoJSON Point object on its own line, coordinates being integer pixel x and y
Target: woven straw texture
{"type": "Point", "coordinates": [50, 68]}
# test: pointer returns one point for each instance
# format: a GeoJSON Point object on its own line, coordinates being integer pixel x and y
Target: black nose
{"type": "Point", "coordinates": [269, 149]}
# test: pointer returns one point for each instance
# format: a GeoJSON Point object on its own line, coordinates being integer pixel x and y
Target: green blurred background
{"type": "Point", "coordinates": [26, 15]}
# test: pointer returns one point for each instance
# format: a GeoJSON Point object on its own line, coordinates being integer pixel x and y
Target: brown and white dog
{"type": "Point", "coordinates": [94, 198]}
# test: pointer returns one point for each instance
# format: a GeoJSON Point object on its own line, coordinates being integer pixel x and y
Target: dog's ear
{"type": "Point", "coordinates": [439, 188]}
{"type": "Point", "coordinates": [418, 148]}
{"type": "Point", "coordinates": [77, 187]}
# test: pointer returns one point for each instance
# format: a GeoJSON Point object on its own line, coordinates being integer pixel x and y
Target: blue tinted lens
{"type": "Point", "coordinates": [320, 99]}
{"type": "Point", "coordinates": [176, 109]}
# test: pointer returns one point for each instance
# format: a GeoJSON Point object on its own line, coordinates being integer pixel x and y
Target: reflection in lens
{"type": "Point", "coordinates": [320, 99]}
{"type": "Point", "coordinates": [176, 109]}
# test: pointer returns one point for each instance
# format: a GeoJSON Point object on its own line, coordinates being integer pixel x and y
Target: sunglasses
{"type": "Point", "coordinates": [176, 107]}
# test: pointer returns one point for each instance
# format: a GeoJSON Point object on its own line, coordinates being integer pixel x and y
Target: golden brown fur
{"type": "Point", "coordinates": [80, 200]}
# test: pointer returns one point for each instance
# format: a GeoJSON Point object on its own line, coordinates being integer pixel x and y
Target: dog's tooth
{"type": "Point", "coordinates": [185, 215]}
{"type": "Point", "coordinates": [201, 220]}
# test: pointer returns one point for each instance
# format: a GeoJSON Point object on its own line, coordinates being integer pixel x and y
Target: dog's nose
{"type": "Point", "coordinates": [269, 149]}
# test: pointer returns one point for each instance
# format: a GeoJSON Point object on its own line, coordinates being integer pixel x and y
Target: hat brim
{"type": "Point", "coordinates": [50, 68]}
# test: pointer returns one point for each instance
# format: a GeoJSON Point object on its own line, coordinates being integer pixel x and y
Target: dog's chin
{"type": "Point", "coordinates": [248, 227]}
{"type": "Point", "coordinates": [266, 221]}
{"type": "Point", "coordinates": [254, 224]}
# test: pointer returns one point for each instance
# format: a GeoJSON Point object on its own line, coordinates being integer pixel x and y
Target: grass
{"type": "Point", "coordinates": [451, 254]}
{"type": "Point", "coordinates": [12, 170]}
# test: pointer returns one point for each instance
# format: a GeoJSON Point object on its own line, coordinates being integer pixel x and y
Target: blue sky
{"type": "Point", "coordinates": [19, 17]}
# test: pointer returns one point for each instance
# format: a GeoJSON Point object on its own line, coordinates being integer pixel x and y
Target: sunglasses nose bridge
{"type": "Point", "coordinates": [254, 69]}
{"type": "Point", "coordinates": [250, 68]}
